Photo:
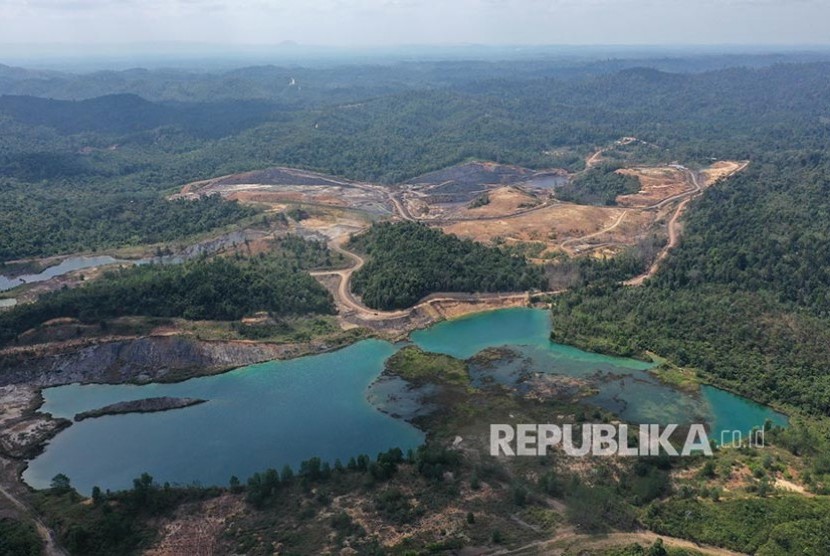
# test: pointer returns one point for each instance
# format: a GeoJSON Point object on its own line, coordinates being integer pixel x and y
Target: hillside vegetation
{"type": "Point", "coordinates": [221, 289]}
{"type": "Point", "coordinates": [598, 186]}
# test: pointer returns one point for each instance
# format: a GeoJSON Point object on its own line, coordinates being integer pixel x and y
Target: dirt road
{"type": "Point", "coordinates": [345, 298]}
{"type": "Point", "coordinates": [51, 547]}
{"type": "Point", "coordinates": [674, 234]}
{"type": "Point", "coordinates": [348, 303]}
{"type": "Point", "coordinates": [570, 541]}
{"type": "Point", "coordinates": [610, 228]}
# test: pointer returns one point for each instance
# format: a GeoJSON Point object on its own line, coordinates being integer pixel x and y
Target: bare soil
{"type": "Point", "coordinates": [656, 184]}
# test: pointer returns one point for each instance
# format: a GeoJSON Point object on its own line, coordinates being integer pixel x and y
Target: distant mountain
{"type": "Point", "coordinates": [127, 113]}
{"type": "Point", "coordinates": [354, 79]}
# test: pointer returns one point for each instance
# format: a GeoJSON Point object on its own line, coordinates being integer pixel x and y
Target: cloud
{"type": "Point", "coordinates": [416, 21]}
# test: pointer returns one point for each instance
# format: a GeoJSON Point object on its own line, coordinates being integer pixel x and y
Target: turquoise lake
{"type": "Point", "coordinates": [283, 412]}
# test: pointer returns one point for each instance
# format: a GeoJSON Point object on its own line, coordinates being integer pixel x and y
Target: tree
{"type": "Point", "coordinates": [60, 483]}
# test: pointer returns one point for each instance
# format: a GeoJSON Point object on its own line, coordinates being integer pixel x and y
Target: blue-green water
{"type": "Point", "coordinates": [283, 412]}
{"type": "Point", "coordinates": [735, 413]}
{"type": "Point", "coordinates": [261, 416]}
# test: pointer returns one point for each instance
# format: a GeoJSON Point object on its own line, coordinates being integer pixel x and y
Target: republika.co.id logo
{"type": "Point", "coordinates": [596, 440]}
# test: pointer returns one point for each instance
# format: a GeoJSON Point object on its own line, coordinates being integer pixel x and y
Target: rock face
{"type": "Point", "coordinates": [22, 430]}
{"type": "Point", "coordinates": [155, 358]}
{"type": "Point", "coordinates": [147, 405]}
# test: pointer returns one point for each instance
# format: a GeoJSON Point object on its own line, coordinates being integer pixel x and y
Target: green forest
{"type": "Point", "coordinates": [407, 261]}
{"type": "Point", "coordinates": [32, 224]}
{"type": "Point", "coordinates": [225, 288]}
{"type": "Point", "coordinates": [88, 162]}
{"type": "Point", "coordinates": [598, 186]}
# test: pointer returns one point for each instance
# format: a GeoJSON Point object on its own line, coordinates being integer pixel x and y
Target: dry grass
{"type": "Point", "coordinates": [561, 227]}
{"type": "Point", "coordinates": [195, 528]}
{"type": "Point", "coordinates": [503, 201]}
{"type": "Point", "coordinates": [549, 225]}
{"type": "Point", "coordinates": [721, 169]}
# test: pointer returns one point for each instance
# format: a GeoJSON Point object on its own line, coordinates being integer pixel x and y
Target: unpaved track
{"type": "Point", "coordinates": [344, 296]}
{"type": "Point", "coordinates": [570, 541]}
{"type": "Point", "coordinates": [610, 228]}
{"type": "Point", "coordinates": [674, 235]}
{"type": "Point", "coordinates": [51, 547]}
{"type": "Point", "coordinates": [346, 299]}
{"type": "Point", "coordinates": [400, 207]}
{"type": "Point", "coordinates": [674, 232]}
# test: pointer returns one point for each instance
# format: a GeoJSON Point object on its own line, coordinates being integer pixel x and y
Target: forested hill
{"type": "Point", "coordinates": [344, 80]}
{"type": "Point", "coordinates": [407, 261]}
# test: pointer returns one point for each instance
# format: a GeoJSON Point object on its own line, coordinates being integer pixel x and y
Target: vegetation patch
{"type": "Point", "coordinates": [681, 378]}
{"type": "Point", "coordinates": [19, 539]}
{"type": "Point", "coordinates": [751, 525]}
{"type": "Point", "coordinates": [601, 185]}
{"type": "Point", "coordinates": [408, 261]}
{"type": "Point", "coordinates": [420, 367]}
{"type": "Point", "coordinates": [221, 289]}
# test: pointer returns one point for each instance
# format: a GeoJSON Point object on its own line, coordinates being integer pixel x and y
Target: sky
{"type": "Point", "coordinates": [415, 22]}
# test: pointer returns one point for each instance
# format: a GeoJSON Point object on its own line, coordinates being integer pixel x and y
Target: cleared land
{"type": "Point", "coordinates": [657, 184]}
{"type": "Point", "coordinates": [293, 186]}
{"type": "Point", "coordinates": [484, 201]}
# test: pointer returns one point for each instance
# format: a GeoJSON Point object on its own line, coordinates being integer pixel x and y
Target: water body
{"type": "Point", "coordinates": [261, 416]}
{"type": "Point", "coordinates": [283, 412]}
{"type": "Point", "coordinates": [79, 263]}
{"type": "Point", "coordinates": [736, 413]}
{"type": "Point", "coordinates": [547, 181]}
{"type": "Point", "coordinates": [65, 266]}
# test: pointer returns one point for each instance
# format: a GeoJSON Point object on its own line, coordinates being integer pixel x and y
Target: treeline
{"type": "Point", "coordinates": [37, 224]}
{"type": "Point", "coordinates": [121, 114]}
{"type": "Point", "coordinates": [353, 78]}
{"type": "Point", "coordinates": [765, 526]}
{"type": "Point", "coordinates": [306, 254]}
{"type": "Point", "coordinates": [112, 522]}
{"type": "Point", "coordinates": [221, 289]}
{"type": "Point", "coordinates": [431, 462]}
{"type": "Point", "coordinates": [407, 261]}
{"type": "Point", "coordinates": [123, 522]}
{"type": "Point", "coordinates": [598, 186]}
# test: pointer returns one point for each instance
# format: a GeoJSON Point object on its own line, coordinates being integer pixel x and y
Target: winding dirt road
{"type": "Point", "coordinates": [610, 228]}
{"type": "Point", "coordinates": [569, 541]}
{"type": "Point", "coordinates": [674, 234]}
{"type": "Point", "coordinates": [344, 296]}
{"type": "Point", "coordinates": [348, 303]}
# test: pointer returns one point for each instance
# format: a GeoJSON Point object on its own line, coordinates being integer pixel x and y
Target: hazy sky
{"type": "Point", "coordinates": [387, 22]}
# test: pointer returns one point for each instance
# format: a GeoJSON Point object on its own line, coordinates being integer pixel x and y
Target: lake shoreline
{"type": "Point", "coordinates": [64, 370]}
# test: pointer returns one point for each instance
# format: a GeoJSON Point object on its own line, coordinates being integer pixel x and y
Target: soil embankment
{"type": "Point", "coordinates": [146, 359]}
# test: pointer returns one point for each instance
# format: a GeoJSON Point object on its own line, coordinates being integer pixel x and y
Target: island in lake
{"type": "Point", "coordinates": [146, 405]}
